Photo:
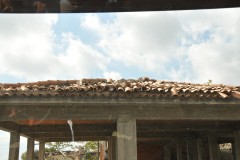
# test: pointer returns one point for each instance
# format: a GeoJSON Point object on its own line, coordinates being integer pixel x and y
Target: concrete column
{"type": "Point", "coordinates": [41, 150]}
{"type": "Point", "coordinates": [114, 147]}
{"type": "Point", "coordinates": [14, 146]}
{"type": "Point", "coordinates": [200, 149]}
{"type": "Point", "coordinates": [30, 149]}
{"type": "Point", "coordinates": [179, 150]}
{"type": "Point", "coordinates": [233, 150]}
{"type": "Point", "coordinates": [237, 145]}
{"type": "Point", "coordinates": [213, 148]}
{"type": "Point", "coordinates": [109, 150]}
{"type": "Point", "coordinates": [126, 138]}
{"type": "Point", "coordinates": [98, 149]}
{"type": "Point", "coordinates": [192, 152]}
{"type": "Point", "coordinates": [167, 153]}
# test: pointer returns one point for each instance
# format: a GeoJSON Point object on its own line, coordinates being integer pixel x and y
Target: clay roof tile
{"type": "Point", "coordinates": [142, 87]}
{"type": "Point", "coordinates": [236, 94]}
{"type": "Point", "coordinates": [223, 95]}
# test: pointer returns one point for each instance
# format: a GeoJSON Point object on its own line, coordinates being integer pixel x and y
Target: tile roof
{"type": "Point", "coordinates": [142, 87]}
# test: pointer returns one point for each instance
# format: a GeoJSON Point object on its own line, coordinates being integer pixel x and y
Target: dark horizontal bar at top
{"type": "Point", "coordinates": [83, 6]}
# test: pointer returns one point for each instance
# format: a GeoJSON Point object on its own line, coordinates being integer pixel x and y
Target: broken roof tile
{"type": "Point", "coordinates": [236, 94]}
{"type": "Point", "coordinates": [143, 87]}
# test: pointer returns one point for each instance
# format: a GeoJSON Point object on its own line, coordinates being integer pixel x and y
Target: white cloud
{"type": "Point", "coordinates": [182, 46]}
{"type": "Point", "coordinates": [28, 50]}
{"type": "Point", "coordinates": [144, 40]}
{"type": "Point", "coordinates": [216, 57]}
{"type": "Point", "coordinates": [80, 59]}
{"type": "Point", "coordinates": [204, 44]}
{"type": "Point", "coordinates": [26, 42]}
{"type": "Point", "coordinates": [113, 75]}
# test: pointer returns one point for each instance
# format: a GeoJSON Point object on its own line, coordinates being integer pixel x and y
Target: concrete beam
{"type": "Point", "coordinates": [9, 126]}
{"type": "Point", "coordinates": [126, 138]}
{"type": "Point", "coordinates": [185, 126]}
{"type": "Point", "coordinates": [41, 129]}
{"type": "Point", "coordinates": [152, 126]}
{"type": "Point", "coordinates": [68, 135]}
{"type": "Point", "coordinates": [69, 139]}
{"type": "Point", "coordinates": [145, 109]}
{"type": "Point", "coordinates": [14, 146]}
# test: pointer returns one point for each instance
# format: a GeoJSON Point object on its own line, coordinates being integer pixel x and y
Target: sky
{"type": "Point", "coordinates": [193, 46]}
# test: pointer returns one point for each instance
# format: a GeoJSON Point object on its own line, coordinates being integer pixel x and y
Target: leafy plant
{"type": "Point", "coordinates": [89, 147]}
{"type": "Point", "coordinates": [57, 146]}
{"type": "Point", "coordinates": [24, 155]}
{"type": "Point", "coordinates": [209, 82]}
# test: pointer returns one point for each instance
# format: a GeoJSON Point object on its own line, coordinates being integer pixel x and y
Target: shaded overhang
{"type": "Point", "coordinates": [158, 121]}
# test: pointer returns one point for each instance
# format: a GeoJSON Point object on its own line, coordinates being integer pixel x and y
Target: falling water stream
{"type": "Point", "coordinates": [71, 128]}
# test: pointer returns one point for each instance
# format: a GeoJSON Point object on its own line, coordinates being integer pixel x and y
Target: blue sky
{"type": "Point", "coordinates": [192, 46]}
{"type": "Point", "coordinates": [188, 46]}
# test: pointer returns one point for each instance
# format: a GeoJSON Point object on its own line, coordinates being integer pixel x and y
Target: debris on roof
{"type": "Point", "coordinates": [142, 87]}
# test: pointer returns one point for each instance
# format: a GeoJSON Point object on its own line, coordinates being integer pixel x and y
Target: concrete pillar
{"type": "Point", "coordinates": [114, 147]}
{"type": "Point", "coordinates": [109, 150]}
{"type": "Point", "coordinates": [213, 148]}
{"type": "Point", "coordinates": [192, 152]}
{"type": "Point", "coordinates": [233, 150]}
{"type": "Point", "coordinates": [179, 150]}
{"type": "Point", "coordinates": [237, 145]}
{"type": "Point", "coordinates": [200, 149]}
{"type": "Point", "coordinates": [41, 150]}
{"type": "Point", "coordinates": [30, 148]}
{"type": "Point", "coordinates": [14, 146]}
{"type": "Point", "coordinates": [126, 138]}
{"type": "Point", "coordinates": [167, 153]}
{"type": "Point", "coordinates": [98, 149]}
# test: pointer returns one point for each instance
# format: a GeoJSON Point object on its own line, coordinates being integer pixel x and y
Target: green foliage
{"type": "Point", "coordinates": [24, 155]}
{"type": "Point", "coordinates": [89, 147]}
{"type": "Point", "coordinates": [57, 146]}
{"type": "Point", "coordinates": [90, 156]}
{"type": "Point", "coordinates": [209, 82]}
{"type": "Point", "coordinates": [50, 149]}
